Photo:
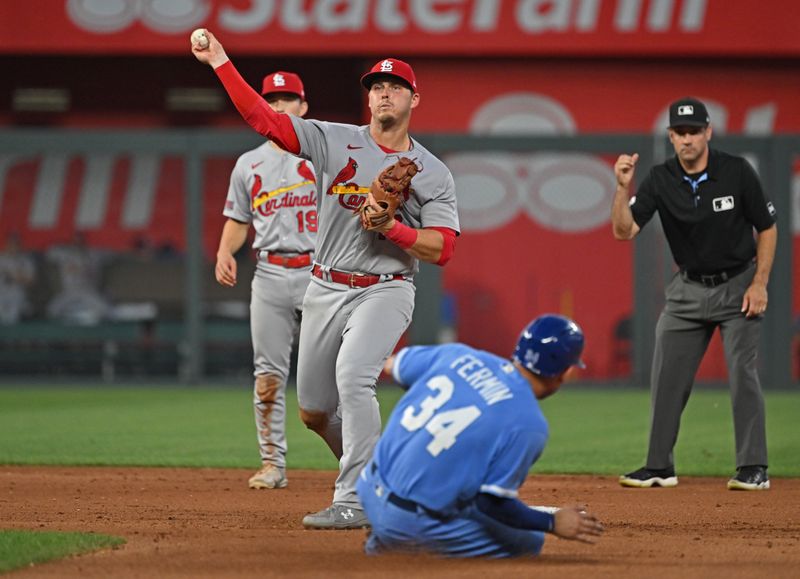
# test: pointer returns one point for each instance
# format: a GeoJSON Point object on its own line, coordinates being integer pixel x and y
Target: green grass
{"type": "Point", "coordinates": [606, 432]}
{"type": "Point", "coordinates": [22, 548]}
{"type": "Point", "coordinates": [591, 430]}
{"type": "Point", "coordinates": [136, 426]}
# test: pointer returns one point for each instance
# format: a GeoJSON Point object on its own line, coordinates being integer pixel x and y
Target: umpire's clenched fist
{"type": "Point", "coordinates": [624, 169]}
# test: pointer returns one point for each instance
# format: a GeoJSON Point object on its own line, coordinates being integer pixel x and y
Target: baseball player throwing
{"type": "Point", "coordinates": [361, 296]}
{"type": "Point", "coordinates": [275, 191]}
{"type": "Point", "coordinates": [445, 474]}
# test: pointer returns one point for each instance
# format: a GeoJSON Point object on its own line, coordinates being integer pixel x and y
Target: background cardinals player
{"type": "Point", "coordinates": [274, 191]}
{"type": "Point", "coordinates": [361, 297]}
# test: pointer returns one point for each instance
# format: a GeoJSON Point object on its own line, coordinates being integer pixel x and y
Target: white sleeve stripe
{"type": "Point", "coordinates": [396, 368]}
{"type": "Point", "coordinates": [499, 491]}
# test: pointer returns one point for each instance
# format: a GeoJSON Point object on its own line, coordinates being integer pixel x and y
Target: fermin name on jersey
{"type": "Point", "coordinates": [482, 379]}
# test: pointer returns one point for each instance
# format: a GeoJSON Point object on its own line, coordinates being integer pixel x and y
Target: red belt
{"type": "Point", "coordinates": [293, 262]}
{"type": "Point", "coordinates": [353, 279]}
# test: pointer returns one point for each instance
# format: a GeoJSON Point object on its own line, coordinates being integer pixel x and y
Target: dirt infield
{"type": "Point", "coordinates": [206, 523]}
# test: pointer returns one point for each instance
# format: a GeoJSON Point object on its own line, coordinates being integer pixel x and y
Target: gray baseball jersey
{"type": "Point", "coordinates": [275, 192]}
{"type": "Point", "coordinates": [342, 346]}
{"type": "Point", "coordinates": [347, 160]}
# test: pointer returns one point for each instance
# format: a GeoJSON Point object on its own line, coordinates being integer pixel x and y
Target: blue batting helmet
{"type": "Point", "coordinates": [549, 345]}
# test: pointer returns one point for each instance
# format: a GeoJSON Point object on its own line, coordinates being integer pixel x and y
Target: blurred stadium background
{"type": "Point", "coordinates": [116, 147]}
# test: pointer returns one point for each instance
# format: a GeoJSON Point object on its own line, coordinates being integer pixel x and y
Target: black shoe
{"type": "Point", "coordinates": [650, 477]}
{"type": "Point", "coordinates": [750, 478]}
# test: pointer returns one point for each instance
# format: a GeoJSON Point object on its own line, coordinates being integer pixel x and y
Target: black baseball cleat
{"type": "Point", "coordinates": [650, 477]}
{"type": "Point", "coordinates": [750, 478]}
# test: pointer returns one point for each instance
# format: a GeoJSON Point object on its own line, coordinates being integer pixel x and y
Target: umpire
{"type": "Point", "coordinates": [709, 203]}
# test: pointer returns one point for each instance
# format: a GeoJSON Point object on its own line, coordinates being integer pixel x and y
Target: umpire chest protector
{"type": "Point", "coordinates": [708, 217]}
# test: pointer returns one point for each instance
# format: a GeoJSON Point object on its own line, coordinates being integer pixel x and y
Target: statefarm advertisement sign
{"type": "Point", "coordinates": [366, 27]}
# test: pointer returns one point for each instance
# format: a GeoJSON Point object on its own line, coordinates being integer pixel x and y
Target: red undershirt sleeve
{"type": "Point", "coordinates": [276, 127]}
{"type": "Point", "coordinates": [449, 247]}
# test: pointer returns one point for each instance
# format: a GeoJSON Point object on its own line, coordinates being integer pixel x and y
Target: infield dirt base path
{"type": "Point", "coordinates": [207, 523]}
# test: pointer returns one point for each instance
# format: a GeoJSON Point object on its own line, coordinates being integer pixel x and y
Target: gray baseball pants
{"type": "Point", "coordinates": [687, 323]}
{"type": "Point", "coordinates": [275, 306]}
{"type": "Point", "coordinates": [346, 336]}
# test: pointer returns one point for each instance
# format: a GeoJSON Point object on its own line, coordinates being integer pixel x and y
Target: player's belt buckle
{"type": "Point", "coordinates": [288, 261]}
{"type": "Point", "coordinates": [351, 280]}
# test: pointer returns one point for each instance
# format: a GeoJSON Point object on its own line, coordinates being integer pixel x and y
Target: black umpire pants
{"type": "Point", "coordinates": [685, 327]}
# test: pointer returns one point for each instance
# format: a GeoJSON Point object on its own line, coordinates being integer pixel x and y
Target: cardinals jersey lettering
{"type": "Point", "coordinates": [276, 191]}
{"type": "Point", "coordinates": [347, 160]}
{"type": "Point", "coordinates": [467, 412]}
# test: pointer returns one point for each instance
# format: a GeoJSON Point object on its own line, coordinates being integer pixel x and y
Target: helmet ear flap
{"type": "Point", "coordinates": [550, 345]}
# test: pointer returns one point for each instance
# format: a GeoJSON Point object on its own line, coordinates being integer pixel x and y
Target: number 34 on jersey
{"type": "Point", "coordinates": [444, 426]}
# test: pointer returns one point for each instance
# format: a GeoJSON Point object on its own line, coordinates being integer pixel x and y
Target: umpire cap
{"type": "Point", "coordinates": [688, 112]}
{"type": "Point", "coordinates": [549, 345]}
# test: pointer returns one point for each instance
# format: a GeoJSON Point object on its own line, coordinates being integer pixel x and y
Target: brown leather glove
{"type": "Point", "coordinates": [389, 190]}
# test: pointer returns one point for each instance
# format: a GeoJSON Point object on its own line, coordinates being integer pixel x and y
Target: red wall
{"type": "Point", "coordinates": [536, 236]}
{"type": "Point", "coordinates": [535, 227]}
{"type": "Point", "coordinates": [527, 263]}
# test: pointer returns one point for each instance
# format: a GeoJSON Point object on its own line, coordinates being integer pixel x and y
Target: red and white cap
{"type": "Point", "coordinates": [282, 81]}
{"type": "Point", "coordinates": [391, 67]}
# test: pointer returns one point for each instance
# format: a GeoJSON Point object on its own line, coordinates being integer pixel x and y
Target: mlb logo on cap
{"type": "Point", "coordinates": [391, 67]}
{"type": "Point", "coordinates": [688, 112]}
{"type": "Point", "coordinates": [283, 82]}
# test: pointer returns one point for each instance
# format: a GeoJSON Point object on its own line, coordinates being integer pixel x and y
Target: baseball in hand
{"type": "Point", "coordinates": [199, 38]}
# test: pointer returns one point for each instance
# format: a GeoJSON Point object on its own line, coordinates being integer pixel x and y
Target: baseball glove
{"type": "Point", "coordinates": [389, 189]}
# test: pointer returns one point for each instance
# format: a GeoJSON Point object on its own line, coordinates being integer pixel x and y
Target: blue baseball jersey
{"type": "Point", "coordinates": [469, 423]}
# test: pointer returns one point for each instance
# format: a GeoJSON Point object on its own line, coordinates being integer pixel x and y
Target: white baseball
{"type": "Point", "coordinates": [199, 38]}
